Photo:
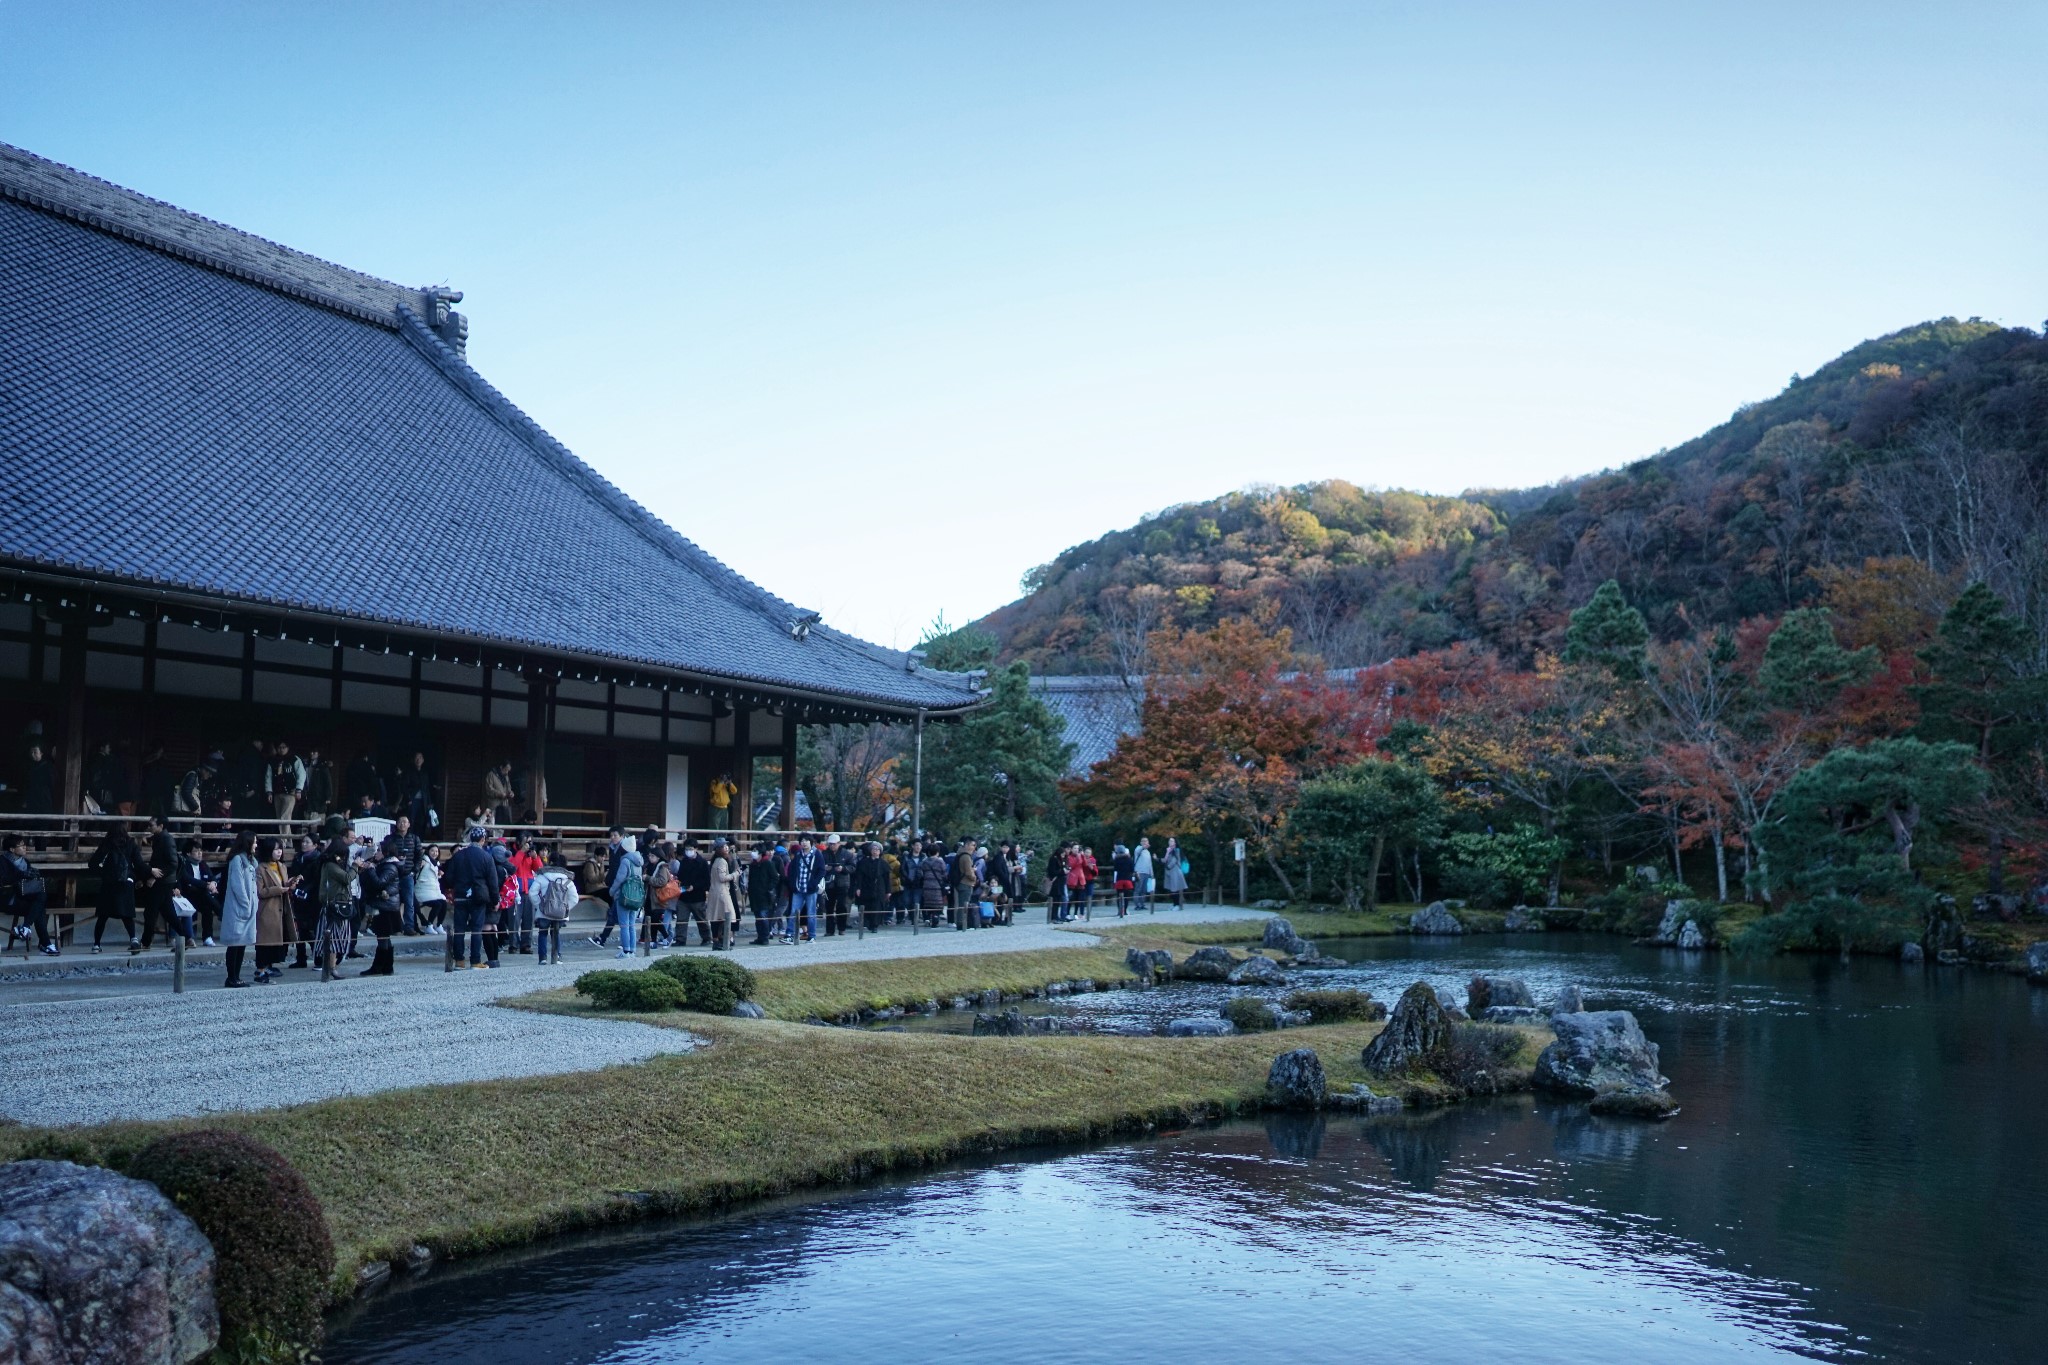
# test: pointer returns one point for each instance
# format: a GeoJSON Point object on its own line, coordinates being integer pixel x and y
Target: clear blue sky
{"type": "Point", "coordinates": [885, 304]}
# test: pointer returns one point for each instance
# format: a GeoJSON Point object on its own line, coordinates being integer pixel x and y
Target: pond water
{"type": "Point", "coordinates": [1860, 1170]}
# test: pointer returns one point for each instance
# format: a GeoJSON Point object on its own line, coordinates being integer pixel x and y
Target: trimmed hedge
{"type": "Point", "coordinates": [712, 985]}
{"type": "Point", "coordinates": [1333, 1007]}
{"type": "Point", "coordinates": [273, 1256]}
{"type": "Point", "coordinates": [646, 992]}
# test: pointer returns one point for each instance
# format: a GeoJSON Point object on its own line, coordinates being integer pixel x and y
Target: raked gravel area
{"type": "Point", "coordinates": [154, 1055]}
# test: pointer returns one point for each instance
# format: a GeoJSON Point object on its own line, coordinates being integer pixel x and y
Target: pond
{"type": "Point", "coordinates": [1860, 1169]}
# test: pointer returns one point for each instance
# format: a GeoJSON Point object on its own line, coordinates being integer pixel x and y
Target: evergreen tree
{"type": "Point", "coordinates": [1805, 667]}
{"type": "Point", "coordinates": [998, 767]}
{"type": "Point", "coordinates": [959, 650]}
{"type": "Point", "coordinates": [1607, 631]}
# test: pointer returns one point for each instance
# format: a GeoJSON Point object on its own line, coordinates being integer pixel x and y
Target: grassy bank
{"type": "Point", "coordinates": [828, 990]}
{"type": "Point", "coordinates": [768, 1108]}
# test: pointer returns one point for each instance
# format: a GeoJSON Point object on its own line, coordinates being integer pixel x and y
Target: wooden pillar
{"type": "Point", "coordinates": [742, 772]}
{"type": "Point", "coordinates": [538, 695]}
{"type": "Point", "coordinates": [788, 820]}
{"type": "Point", "coordinates": [71, 671]}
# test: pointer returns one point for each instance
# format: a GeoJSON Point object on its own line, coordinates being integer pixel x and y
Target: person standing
{"type": "Point", "coordinates": [473, 885]}
{"type": "Point", "coordinates": [912, 876]}
{"type": "Point", "coordinates": [805, 877]}
{"type": "Point", "coordinates": [1123, 876]}
{"type": "Point", "coordinates": [554, 897]}
{"type": "Point", "coordinates": [332, 930]}
{"type": "Point", "coordinates": [116, 861]}
{"type": "Point", "coordinates": [406, 844]}
{"type": "Point", "coordinates": [381, 877]}
{"type": "Point", "coordinates": [871, 886]}
{"type": "Point", "coordinates": [159, 883]}
{"type": "Point", "coordinates": [526, 865]}
{"type": "Point", "coordinates": [1174, 877]}
{"type": "Point", "coordinates": [931, 887]}
{"type": "Point", "coordinates": [498, 794]}
{"type": "Point", "coordinates": [723, 789]}
{"type": "Point", "coordinates": [628, 888]}
{"type": "Point", "coordinates": [24, 895]}
{"type": "Point", "coordinates": [319, 799]}
{"type": "Point", "coordinates": [1141, 875]}
{"type": "Point", "coordinates": [287, 782]}
{"type": "Point", "coordinates": [720, 911]}
{"type": "Point", "coordinates": [238, 905]}
{"type": "Point", "coordinates": [415, 792]}
{"type": "Point", "coordinates": [693, 876]}
{"type": "Point", "coordinates": [305, 879]}
{"type": "Point", "coordinates": [760, 885]}
{"type": "Point", "coordinates": [838, 885]}
{"type": "Point", "coordinates": [364, 780]}
{"type": "Point", "coordinates": [966, 879]}
{"type": "Point", "coordinates": [275, 923]}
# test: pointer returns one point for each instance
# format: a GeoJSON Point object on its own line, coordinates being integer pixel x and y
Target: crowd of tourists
{"type": "Point", "coordinates": [312, 901]}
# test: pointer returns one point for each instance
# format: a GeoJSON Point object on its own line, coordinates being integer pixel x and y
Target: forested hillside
{"type": "Point", "coordinates": [1927, 448]}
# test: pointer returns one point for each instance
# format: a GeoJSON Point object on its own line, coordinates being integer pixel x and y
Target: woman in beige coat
{"type": "Point", "coordinates": [274, 927]}
{"type": "Point", "coordinates": [719, 910]}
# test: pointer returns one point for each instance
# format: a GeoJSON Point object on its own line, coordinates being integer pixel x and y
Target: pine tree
{"type": "Point", "coordinates": [1607, 631]}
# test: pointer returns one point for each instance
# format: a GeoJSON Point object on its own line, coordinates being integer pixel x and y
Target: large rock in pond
{"type": "Point", "coordinates": [1570, 1000]}
{"type": "Point", "coordinates": [1278, 932]}
{"type": "Point", "coordinates": [2037, 963]}
{"type": "Point", "coordinates": [1512, 1014]}
{"type": "Point", "coordinates": [1435, 918]}
{"type": "Point", "coordinates": [1523, 920]}
{"type": "Point", "coordinates": [1596, 1052]}
{"type": "Point", "coordinates": [98, 1269]}
{"type": "Point", "coordinates": [1200, 1028]}
{"type": "Point", "coordinates": [1911, 952]}
{"type": "Point", "coordinates": [1207, 964]}
{"type": "Point", "coordinates": [1668, 927]}
{"type": "Point", "coordinates": [1690, 938]}
{"type": "Point", "coordinates": [1485, 992]}
{"type": "Point", "coordinates": [1296, 1080]}
{"type": "Point", "coordinates": [1008, 1024]}
{"type": "Point", "coordinates": [1416, 1030]}
{"type": "Point", "coordinates": [1256, 971]}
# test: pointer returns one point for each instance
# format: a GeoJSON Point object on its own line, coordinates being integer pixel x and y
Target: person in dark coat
{"type": "Point", "coordinates": [363, 780]}
{"type": "Point", "coordinates": [381, 878]}
{"type": "Point", "coordinates": [116, 862]}
{"type": "Point", "coordinates": [871, 885]}
{"type": "Point", "coordinates": [694, 872]}
{"type": "Point", "coordinates": [200, 884]}
{"type": "Point", "coordinates": [764, 886]}
{"type": "Point", "coordinates": [23, 895]}
{"type": "Point", "coordinates": [473, 881]}
{"type": "Point", "coordinates": [305, 899]}
{"type": "Point", "coordinates": [159, 883]}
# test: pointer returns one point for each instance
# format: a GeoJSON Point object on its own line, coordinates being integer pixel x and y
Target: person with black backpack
{"type": "Point", "coordinates": [115, 861]}
{"type": "Point", "coordinates": [24, 896]}
{"type": "Point", "coordinates": [337, 903]}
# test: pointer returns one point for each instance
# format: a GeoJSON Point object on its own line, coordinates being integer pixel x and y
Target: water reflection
{"type": "Point", "coordinates": [1857, 1171]}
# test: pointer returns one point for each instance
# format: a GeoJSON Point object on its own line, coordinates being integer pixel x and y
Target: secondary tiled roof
{"type": "Point", "coordinates": [186, 406]}
{"type": "Point", "coordinates": [1097, 709]}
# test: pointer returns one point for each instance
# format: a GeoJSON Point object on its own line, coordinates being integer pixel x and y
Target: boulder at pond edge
{"type": "Point", "coordinates": [1296, 1080]}
{"type": "Point", "coordinates": [1596, 1052]}
{"type": "Point", "coordinates": [97, 1267]}
{"type": "Point", "coordinates": [1435, 918]}
{"type": "Point", "coordinates": [1416, 1031]}
{"type": "Point", "coordinates": [1256, 971]}
{"type": "Point", "coordinates": [1200, 1028]}
{"type": "Point", "coordinates": [1484, 992]}
{"type": "Point", "coordinates": [2037, 962]}
{"type": "Point", "coordinates": [1207, 964]}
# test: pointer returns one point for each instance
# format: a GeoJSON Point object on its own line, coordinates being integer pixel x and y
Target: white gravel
{"type": "Point", "coordinates": [205, 1052]}
{"type": "Point", "coordinates": [155, 1056]}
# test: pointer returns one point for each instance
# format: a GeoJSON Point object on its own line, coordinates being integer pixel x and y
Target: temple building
{"type": "Point", "coordinates": [249, 494]}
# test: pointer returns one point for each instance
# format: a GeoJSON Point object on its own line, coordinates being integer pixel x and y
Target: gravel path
{"type": "Point", "coordinates": [147, 1054]}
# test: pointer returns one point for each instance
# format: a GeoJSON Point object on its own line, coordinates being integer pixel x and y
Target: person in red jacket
{"type": "Point", "coordinates": [526, 865]}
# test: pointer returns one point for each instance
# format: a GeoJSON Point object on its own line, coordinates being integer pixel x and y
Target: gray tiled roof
{"type": "Point", "coordinates": [1098, 710]}
{"type": "Point", "coordinates": [189, 407]}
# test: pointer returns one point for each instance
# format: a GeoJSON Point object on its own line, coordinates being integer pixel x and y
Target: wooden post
{"type": "Point", "coordinates": [742, 820]}
{"type": "Point", "coordinates": [917, 783]}
{"type": "Point", "coordinates": [788, 820]}
{"type": "Point", "coordinates": [71, 668]}
{"type": "Point", "coordinates": [538, 696]}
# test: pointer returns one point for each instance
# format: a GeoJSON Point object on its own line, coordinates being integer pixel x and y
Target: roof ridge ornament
{"type": "Point", "coordinates": [800, 628]}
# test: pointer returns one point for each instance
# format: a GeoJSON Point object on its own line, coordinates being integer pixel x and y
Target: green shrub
{"type": "Point", "coordinates": [1331, 1007]}
{"type": "Point", "coordinates": [1249, 1014]}
{"type": "Point", "coordinates": [646, 992]}
{"type": "Point", "coordinates": [712, 985]}
{"type": "Point", "coordinates": [273, 1255]}
{"type": "Point", "coordinates": [1476, 1055]}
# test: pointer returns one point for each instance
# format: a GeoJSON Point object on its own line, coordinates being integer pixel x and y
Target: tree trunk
{"type": "Point", "coordinates": [1372, 881]}
{"type": "Point", "coordinates": [1903, 823]}
{"type": "Point", "coordinates": [1417, 852]}
{"type": "Point", "coordinates": [1720, 863]}
{"type": "Point", "coordinates": [1274, 864]}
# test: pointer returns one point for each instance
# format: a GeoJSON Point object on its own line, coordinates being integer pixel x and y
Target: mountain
{"type": "Point", "coordinates": [1929, 445]}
